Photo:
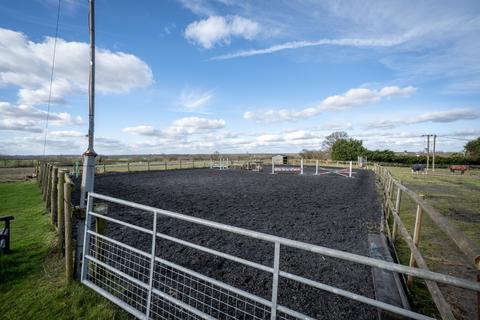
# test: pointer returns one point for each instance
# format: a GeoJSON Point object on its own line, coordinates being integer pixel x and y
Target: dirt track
{"type": "Point", "coordinates": [331, 211]}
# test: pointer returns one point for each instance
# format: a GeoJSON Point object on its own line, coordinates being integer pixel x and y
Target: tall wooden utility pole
{"type": "Point", "coordinates": [428, 151]}
{"type": "Point", "coordinates": [89, 155]}
{"type": "Point", "coordinates": [434, 136]}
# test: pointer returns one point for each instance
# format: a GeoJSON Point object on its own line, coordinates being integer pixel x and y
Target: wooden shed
{"type": "Point", "coordinates": [280, 159]}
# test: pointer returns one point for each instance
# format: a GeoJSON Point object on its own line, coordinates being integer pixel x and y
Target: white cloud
{"type": "Point", "coordinates": [219, 29]}
{"type": "Point", "coordinates": [179, 129]}
{"type": "Point", "coordinates": [66, 134]}
{"type": "Point", "coordinates": [298, 135]}
{"type": "Point", "coordinates": [351, 98]}
{"type": "Point", "coordinates": [394, 90]}
{"type": "Point", "coordinates": [449, 115]}
{"type": "Point", "coordinates": [198, 7]}
{"type": "Point", "coordinates": [191, 125]}
{"type": "Point", "coordinates": [19, 125]}
{"type": "Point", "coordinates": [444, 116]}
{"type": "Point", "coordinates": [193, 100]}
{"type": "Point", "coordinates": [336, 126]}
{"type": "Point", "coordinates": [27, 65]}
{"type": "Point", "coordinates": [143, 130]}
{"type": "Point", "coordinates": [382, 42]}
{"type": "Point", "coordinates": [36, 116]}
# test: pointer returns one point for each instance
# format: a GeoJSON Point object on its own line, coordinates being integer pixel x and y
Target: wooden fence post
{"type": "Point", "coordinates": [416, 240]}
{"type": "Point", "coordinates": [39, 176]}
{"type": "Point", "coordinates": [60, 206]}
{"type": "Point", "coordinates": [386, 191]}
{"type": "Point", "coordinates": [67, 194]}
{"type": "Point", "coordinates": [48, 186]}
{"type": "Point", "coordinates": [165, 164]}
{"type": "Point", "coordinates": [193, 163]}
{"type": "Point", "coordinates": [397, 209]}
{"type": "Point", "coordinates": [128, 166]}
{"type": "Point", "coordinates": [104, 167]}
{"type": "Point", "coordinates": [180, 161]}
{"type": "Point", "coordinates": [43, 179]}
{"type": "Point", "coordinates": [53, 196]}
{"type": "Point", "coordinates": [148, 165]}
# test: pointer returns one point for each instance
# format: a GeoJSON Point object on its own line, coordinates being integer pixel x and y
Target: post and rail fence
{"type": "Point", "coordinates": [393, 191]}
{"type": "Point", "coordinates": [56, 187]}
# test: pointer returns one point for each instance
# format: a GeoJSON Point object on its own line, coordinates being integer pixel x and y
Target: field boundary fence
{"type": "Point", "coordinates": [56, 187]}
{"type": "Point", "coordinates": [150, 287]}
{"type": "Point", "coordinates": [393, 191]}
{"type": "Point", "coordinates": [138, 166]}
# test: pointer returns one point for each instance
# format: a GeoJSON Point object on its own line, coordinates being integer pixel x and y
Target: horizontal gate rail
{"type": "Point", "coordinates": [269, 309]}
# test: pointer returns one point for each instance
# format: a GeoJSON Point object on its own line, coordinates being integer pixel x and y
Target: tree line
{"type": "Point", "coordinates": [339, 146]}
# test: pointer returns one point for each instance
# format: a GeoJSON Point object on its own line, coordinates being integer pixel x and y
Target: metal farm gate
{"type": "Point", "coordinates": [150, 287]}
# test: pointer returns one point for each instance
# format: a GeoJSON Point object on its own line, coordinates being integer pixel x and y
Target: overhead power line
{"type": "Point", "coordinates": [454, 138]}
{"type": "Point", "coordinates": [51, 79]}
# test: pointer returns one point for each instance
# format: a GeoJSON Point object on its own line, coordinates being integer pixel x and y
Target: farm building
{"type": "Point", "coordinates": [280, 159]}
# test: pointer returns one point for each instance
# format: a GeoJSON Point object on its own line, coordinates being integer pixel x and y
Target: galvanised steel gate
{"type": "Point", "coordinates": [150, 287]}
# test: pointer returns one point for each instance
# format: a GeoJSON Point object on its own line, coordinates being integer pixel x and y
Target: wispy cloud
{"type": "Point", "coordinates": [350, 99]}
{"type": "Point", "coordinates": [382, 42]}
{"type": "Point", "coordinates": [144, 130]}
{"type": "Point", "coordinates": [194, 100]}
{"type": "Point", "coordinates": [445, 116]}
{"type": "Point", "coordinates": [179, 128]}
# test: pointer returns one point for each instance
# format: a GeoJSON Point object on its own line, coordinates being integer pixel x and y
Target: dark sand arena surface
{"type": "Point", "coordinates": [330, 211]}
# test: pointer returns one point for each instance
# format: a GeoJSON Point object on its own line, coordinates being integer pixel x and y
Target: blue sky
{"type": "Point", "coordinates": [203, 76]}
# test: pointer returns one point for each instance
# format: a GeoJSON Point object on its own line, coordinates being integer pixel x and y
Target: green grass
{"type": "Point", "coordinates": [32, 284]}
{"type": "Point", "coordinates": [454, 196]}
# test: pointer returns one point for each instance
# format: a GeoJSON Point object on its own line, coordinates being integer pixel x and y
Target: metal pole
{"type": "Point", "coordinates": [152, 265]}
{"type": "Point", "coordinates": [276, 268]}
{"type": "Point", "coordinates": [273, 167]}
{"type": "Point", "coordinates": [350, 171]}
{"type": "Point", "coordinates": [301, 166]}
{"type": "Point", "coordinates": [90, 154]}
{"type": "Point", "coordinates": [316, 167]}
{"type": "Point", "coordinates": [433, 158]}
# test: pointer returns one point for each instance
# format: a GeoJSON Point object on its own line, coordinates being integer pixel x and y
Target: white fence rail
{"type": "Point", "coordinates": [150, 287]}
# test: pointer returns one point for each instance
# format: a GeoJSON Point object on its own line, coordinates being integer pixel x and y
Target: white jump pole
{"type": "Point", "coordinates": [316, 167]}
{"type": "Point", "coordinates": [273, 167]}
{"type": "Point", "coordinates": [350, 171]}
{"type": "Point", "coordinates": [301, 166]}
{"type": "Point", "coordinates": [227, 164]}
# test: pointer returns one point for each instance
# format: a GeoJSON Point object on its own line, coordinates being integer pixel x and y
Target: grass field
{"type": "Point", "coordinates": [32, 282]}
{"type": "Point", "coordinates": [455, 196]}
{"type": "Point", "coordinates": [458, 198]}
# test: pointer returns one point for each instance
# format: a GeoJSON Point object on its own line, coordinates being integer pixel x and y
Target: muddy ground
{"type": "Point", "coordinates": [330, 210]}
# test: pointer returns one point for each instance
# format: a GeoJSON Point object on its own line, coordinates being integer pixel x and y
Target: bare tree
{"type": "Point", "coordinates": [332, 138]}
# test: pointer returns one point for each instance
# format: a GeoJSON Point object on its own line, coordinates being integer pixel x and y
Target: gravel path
{"type": "Point", "coordinates": [330, 210]}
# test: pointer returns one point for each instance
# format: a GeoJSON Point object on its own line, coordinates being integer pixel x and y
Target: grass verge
{"type": "Point", "coordinates": [32, 284]}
